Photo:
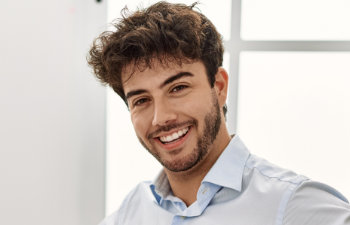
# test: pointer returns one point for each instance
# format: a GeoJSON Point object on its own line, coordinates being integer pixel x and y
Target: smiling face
{"type": "Point", "coordinates": [175, 112]}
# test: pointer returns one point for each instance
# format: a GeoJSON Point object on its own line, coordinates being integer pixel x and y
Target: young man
{"type": "Point", "coordinates": [165, 62]}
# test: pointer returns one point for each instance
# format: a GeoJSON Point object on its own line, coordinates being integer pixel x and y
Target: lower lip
{"type": "Point", "coordinates": [176, 144]}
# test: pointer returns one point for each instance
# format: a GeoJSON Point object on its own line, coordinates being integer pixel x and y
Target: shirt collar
{"type": "Point", "coordinates": [226, 172]}
{"type": "Point", "coordinates": [160, 187]}
{"type": "Point", "coordinates": [229, 167]}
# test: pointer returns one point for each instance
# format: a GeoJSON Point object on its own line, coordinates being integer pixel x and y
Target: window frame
{"type": "Point", "coordinates": [235, 45]}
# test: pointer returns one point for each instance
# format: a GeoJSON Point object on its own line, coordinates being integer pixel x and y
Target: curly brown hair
{"type": "Point", "coordinates": [165, 32]}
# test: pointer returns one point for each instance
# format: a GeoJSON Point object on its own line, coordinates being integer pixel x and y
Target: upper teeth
{"type": "Point", "coordinates": [174, 135]}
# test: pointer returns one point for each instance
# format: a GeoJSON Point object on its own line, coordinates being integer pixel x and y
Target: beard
{"type": "Point", "coordinates": [212, 122]}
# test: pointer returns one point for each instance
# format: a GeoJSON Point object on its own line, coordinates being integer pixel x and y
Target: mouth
{"type": "Point", "coordinates": [173, 137]}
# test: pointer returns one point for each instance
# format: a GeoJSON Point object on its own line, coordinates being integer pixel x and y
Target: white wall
{"type": "Point", "coordinates": [52, 117]}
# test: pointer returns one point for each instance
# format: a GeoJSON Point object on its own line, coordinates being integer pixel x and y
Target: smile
{"type": "Point", "coordinates": [174, 136]}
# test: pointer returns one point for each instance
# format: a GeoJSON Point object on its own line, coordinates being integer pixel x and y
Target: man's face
{"type": "Point", "coordinates": [175, 113]}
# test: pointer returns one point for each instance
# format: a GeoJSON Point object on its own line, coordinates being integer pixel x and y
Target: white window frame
{"type": "Point", "coordinates": [235, 45]}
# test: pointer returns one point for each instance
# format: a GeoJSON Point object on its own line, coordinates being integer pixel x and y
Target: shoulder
{"type": "Point", "coordinates": [299, 200]}
{"type": "Point", "coordinates": [111, 219]}
{"type": "Point", "coordinates": [269, 186]}
{"type": "Point", "coordinates": [315, 203]}
{"type": "Point", "coordinates": [130, 203]}
{"type": "Point", "coordinates": [259, 167]}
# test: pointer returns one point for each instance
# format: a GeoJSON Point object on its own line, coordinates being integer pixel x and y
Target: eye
{"type": "Point", "coordinates": [178, 88]}
{"type": "Point", "coordinates": [140, 101]}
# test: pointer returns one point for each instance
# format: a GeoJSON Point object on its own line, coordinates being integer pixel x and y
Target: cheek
{"type": "Point", "coordinates": [199, 103]}
{"type": "Point", "coordinates": [196, 106]}
{"type": "Point", "coordinates": [141, 124]}
{"type": "Point", "coordinates": [138, 126]}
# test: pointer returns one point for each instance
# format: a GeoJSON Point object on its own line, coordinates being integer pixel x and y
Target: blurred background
{"type": "Point", "coordinates": [68, 153]}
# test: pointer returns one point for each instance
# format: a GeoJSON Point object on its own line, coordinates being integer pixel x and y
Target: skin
{"type": "Point", "coordinates": [164, 100]}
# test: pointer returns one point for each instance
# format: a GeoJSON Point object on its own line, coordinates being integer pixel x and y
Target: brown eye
{"type": "Point", "coordinates": [140, 101]}
{"type": "Point", "coordinates": [178, 88]}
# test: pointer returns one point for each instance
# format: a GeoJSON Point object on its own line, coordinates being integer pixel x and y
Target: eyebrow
{"type": "Point", "coordinates": [166, 82]}
{"type": "Point", "coordinates": [176, 77]}
{"type": "Point", "coordinates": [136, 92]}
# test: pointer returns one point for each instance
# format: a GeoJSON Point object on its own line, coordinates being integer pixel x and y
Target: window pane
{"type": "Point", "coordinates": [295, 20]}
{"type": "Point", "coordinates": [294, 111]}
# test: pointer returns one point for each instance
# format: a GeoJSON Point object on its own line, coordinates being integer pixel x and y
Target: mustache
{"type": "Point", "coordinates": [171, 127]}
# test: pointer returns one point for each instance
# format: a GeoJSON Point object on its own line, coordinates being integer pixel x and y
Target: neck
{"type": "Point", "coordinates": [185, 184]}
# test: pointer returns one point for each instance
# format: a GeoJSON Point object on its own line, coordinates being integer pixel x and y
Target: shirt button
{"type": "Point", "coordinates": [204, 190]}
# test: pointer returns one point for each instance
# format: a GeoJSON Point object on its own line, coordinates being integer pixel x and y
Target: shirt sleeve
{"type": "Point", "coordinates": [314, 203]}
{"type": "Point", "coordinates": [111, 219]}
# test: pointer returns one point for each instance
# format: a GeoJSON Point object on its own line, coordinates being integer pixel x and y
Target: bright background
{"type": "Point", "coordinates": [52, 114]}
{"type": "Point", "coordinates": [289, 98]}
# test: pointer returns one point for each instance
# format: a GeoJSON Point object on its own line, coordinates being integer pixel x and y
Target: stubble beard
{"type": "Point", "coordinates": [212, 122]}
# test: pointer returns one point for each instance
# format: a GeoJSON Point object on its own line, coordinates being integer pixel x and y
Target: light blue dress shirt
{"type": "Point", "coordinates": [240, 189]}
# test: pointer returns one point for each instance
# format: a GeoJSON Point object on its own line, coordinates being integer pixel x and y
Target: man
{"type": "Point", "coordinates": [165, 62]}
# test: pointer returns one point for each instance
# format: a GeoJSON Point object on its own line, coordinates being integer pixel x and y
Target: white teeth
{"type": "Point", "coordinates": [174, 135]}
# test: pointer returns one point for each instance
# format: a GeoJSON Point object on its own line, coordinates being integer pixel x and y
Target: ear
{"type": "Point", "coordinates": [221, 85]}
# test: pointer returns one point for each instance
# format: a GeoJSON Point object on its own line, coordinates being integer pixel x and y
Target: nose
{"type": "Point", "coordinates": [163, 114]}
